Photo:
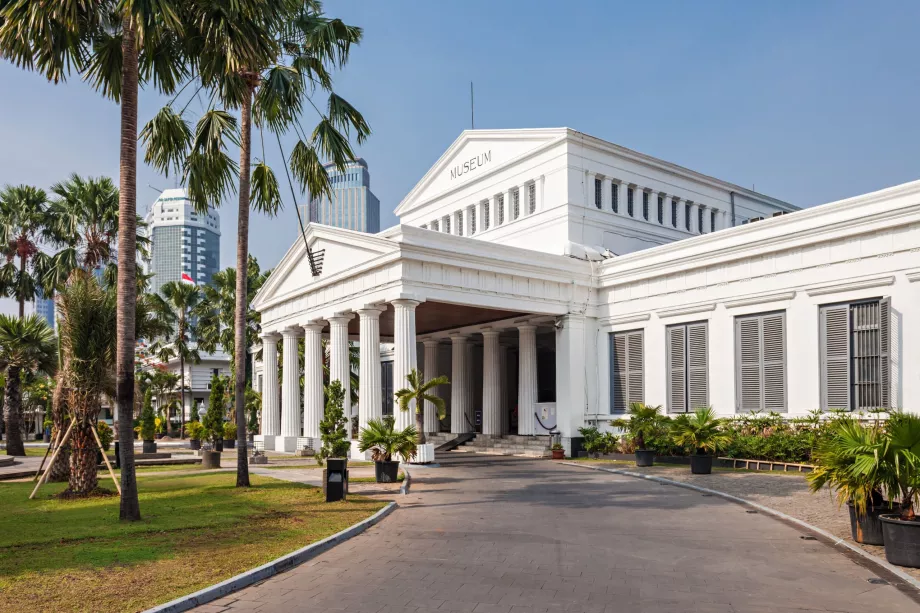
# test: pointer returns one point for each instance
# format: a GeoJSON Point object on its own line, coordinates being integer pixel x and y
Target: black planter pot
{"type": "Point", "coordinates": [229, 443]}
{"type": "Point", "coordinates": [701, 464]}
{"type": "Point", "coordinates": [867, 529]}
{"type": "Point", "coordinates": [193, 444]}
{"type": "Point", "coordinates": [386, 472]}
{"type": "Point", "coordinates": [219, 445]}
{"type": "Point", "coordinates": [645, 457]}
{"type": "Point", "coordinates": [149, 447]}
{"type": "Point", "coordinates": [902, 540]}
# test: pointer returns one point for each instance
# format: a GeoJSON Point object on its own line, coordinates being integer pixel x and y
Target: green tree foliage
{"type": "Point", "coordinates": [332, 426]}
{"type": "Point", "coordinates": [213, 420]}
{"type": "Point", "coordinates": [23, 224]}
{"type": "Point", "coordinates": [416, 394]}
{"type": "Point", "coordinates": [253, 410]}
{"type": "Point", "coordinates": [148, 418]}
{"type": "Point", "coordinates": [700, 432]}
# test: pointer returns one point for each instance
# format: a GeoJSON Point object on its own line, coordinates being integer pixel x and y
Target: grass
{"type": "Point", "coordinates": [196, 530]}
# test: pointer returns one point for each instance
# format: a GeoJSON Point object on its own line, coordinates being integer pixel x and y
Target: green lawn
{"type": "Point", "coordinates": [196, 530]}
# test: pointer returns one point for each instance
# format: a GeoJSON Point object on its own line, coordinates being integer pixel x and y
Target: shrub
{"type": "Point", "coordinates": [213, 420]}
{"type": "Point", "coordinates": [195, 430]}
{"type": "Point", "coordinates": [229, 431]}
{"type": "Point", "coordinates": [105, 435]}
{"type": "Point", "coordinates": [384, 440]}
{"type": "Point", "coordinates": [148, 419]}
{"type": "Point", "coordinates": [332, 427]}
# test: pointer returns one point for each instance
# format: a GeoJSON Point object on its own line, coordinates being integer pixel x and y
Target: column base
{"type": "Point", "coordinates": [356, 454]}
{"type": "Point", "coordinates": [267, 440]}
{"type": "Point", "coordinates": [286, 444]}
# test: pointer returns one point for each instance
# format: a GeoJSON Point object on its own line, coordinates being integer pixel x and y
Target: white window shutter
{"type": "Point", "coordinates": [835, 357]}
{"type": "Point", "coordinates": [618, 372]}
{"type": "Point", "coordinates": [885, 351]}
{"type": "Point", "coordinates": [697, 366]}
{"type": "Point", "coordinates": [677, 369]}
{"type": "Point", "coordinates": [749, 379]}
{"type": "Point", "coordinates": [773, 329]}
{"type": "Point", "coordinates": [636, 363]}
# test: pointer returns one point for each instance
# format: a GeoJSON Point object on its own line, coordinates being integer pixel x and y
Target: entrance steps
{"type": "Point", "coordinates": [509, 444]}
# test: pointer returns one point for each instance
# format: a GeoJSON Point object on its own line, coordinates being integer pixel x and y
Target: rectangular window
{"type": "Point", "coordinates": [688, 216]}
{"type": "Point", "coordinates": [855, 346]}
{"type": "Point", "coordinates": [712, 220]}
{"type": "Point", "coordinates": [627, 360]}
{"type": "Point", "coordinates": [516, 203]}
{"type": "Point", "coordinates": [472, 212]}
{"type": "Point", "coordinates": [485, 215]}
{"type": "Point", "coordinates": [760, 362]}
{"type": "Point", "coordinates": [436, 225]}
{"type": "Point", "coordinates": [386, 384]}
{"type": "Point", "coordinates": [645, 205]}
{"type": "Point", "coordinates": [446, 221]}
{"type": "Point", "coordinates": [500, 203]}
{"type": "Point", "coordinates": [532, 199]}
{"type": "Point", "coordinates": [615, 197]}
{"type": "Point", "coordinates": [699, 223]}
{"type": "Point", "coordinates": [598, 187]}
{"type": "Point", "coordinates": [459, 223]}
{"type": "Point", "coordinates": [661, 210]}
{"type": "Point", "coordinates": [688, 367]}
{"type": "Point", "coordinates": [674, 213]}
{"type": "Point", "coordinates": [629, 201]}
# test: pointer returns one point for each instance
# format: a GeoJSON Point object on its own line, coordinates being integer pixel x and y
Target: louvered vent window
{"type": "Point", "coordinates": [515, 204]}
{"type": "Point", "coordinates": [688, 367]}
{"type": "Point", "coordinates": [598, 186]}
{"type": "Point", "coordinates": [699, 225]}
{"type": "Point", "coordinates": [645, 206]}
{"type": "Point", "coordinates": [855, 355]}
{"type": "Point", "coordinates": [447, 224]}
{"type": "Point", "coordinates": [712, 220]}
{"type": "Point", "coordinates": [532, 198]}
{"type": "Point", "coordinates": [760, 362]}
{"type": "Point", "coordinates": [688, 215]}
{"type": "Point", "coordinates": [500, 200]}
{"type": "Point", "coordinates": [615, 198]}
{"type": "Point", "coordinates": [661, 209]}
{"type": "Point", "coordinates": [674, 213]}
{"type": "Point", "coordinates": [627, 358]}
{"type": "Point", "coordinates": [472, 212]}
{"type": "Point", "coordinates": [485, 215]}
{"type": "Point", "coordinates": [436, 225]}
{"type": "Point", "coordinates": [459, 223]}
{"type": "Point", "coordinates": [629, 201]}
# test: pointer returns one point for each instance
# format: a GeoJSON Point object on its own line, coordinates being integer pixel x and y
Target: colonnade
{"type": "Point", "coordinates": [281, 404]}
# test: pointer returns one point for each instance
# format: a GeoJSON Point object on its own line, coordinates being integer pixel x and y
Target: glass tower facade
{"type": "Point", "coordinates": [44, 308]}
{"type": "Point", "coordinates": [353, 206]}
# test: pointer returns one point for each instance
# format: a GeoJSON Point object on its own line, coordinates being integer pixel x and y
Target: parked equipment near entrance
{"type": "Point", "coordinates": [336, 479]}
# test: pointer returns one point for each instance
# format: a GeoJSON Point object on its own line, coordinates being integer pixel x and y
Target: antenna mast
{"type": "Point", "coordinates": [472, 109]}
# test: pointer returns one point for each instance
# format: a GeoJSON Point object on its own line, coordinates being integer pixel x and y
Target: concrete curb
{"type": "Point", "coordinates": [834, 540]}
{"type": "Point", "coordinates": [279, 565]}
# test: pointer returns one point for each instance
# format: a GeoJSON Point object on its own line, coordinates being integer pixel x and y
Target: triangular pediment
{"type": "Point", "coordinates": [475, 154]}
{"type": "Point", "coordinates": [341, 250]}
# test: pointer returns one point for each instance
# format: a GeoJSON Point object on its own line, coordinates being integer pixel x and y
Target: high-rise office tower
{"type": "Point", "coordinates": [352, 206]}
{"type": "Point", "coordinates": [44, 308]}
{"type": "Point", "coordinates": [184, 245]}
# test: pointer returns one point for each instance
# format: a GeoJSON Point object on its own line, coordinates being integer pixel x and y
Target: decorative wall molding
{"type": "Point", "coordinates": [913, 275]}
{"type": "Point", "coordinates": [626, 319]}
{"type": "Point", "coordinates": [687, 310]}
{"type": "Point", "coordinates": [749, 300]}
{"type": "Point", "coordinates": [849, 286]}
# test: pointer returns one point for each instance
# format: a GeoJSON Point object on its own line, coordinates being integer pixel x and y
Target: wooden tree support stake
{"type": "Point", "coordinates": [105, 457]}
{"type": "Point", "coordinates": [47, 474]}
{"type": "Point", "coordinates": [53, 445]}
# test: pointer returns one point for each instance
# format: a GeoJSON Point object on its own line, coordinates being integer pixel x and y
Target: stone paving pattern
{"type": "Point", "coordinates": [498, 534]}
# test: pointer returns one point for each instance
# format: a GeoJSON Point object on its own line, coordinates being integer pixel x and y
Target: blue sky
{"type": "Point", "coordinates": [807, 101]}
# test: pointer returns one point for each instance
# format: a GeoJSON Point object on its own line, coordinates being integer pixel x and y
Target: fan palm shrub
{"type": "Point", "coordinates": [416, 394]}
{"type": "Point", "coordinates": [645, 424]}
{"type": "Point", "coordinates": [26, 345]}
{"type": "Point", "coordinates": [384, 440]}
{"type": "Point", "coordinates": [700, 432]}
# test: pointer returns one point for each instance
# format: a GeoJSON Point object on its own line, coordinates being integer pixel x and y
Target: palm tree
{"type": "Point", "coordinates": [419, 391]}
{"type": "Point", "coordinates": [700, 432]}
{"type": "Point", "coordinates": [26, 345]}
{"type": "Point", "coordinates": [175, 307]}
{"type": "Point", "coordinates": [23, 223]}
{"type": "Point", "coordinates": [296, 48]}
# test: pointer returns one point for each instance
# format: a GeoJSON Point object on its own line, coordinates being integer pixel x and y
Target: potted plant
{"type": "Point", "coordinates": [384, 441]}
{"type": "Point", "coordinates": [421, 391]}
{"type": "Point", "coordinates": [229, 435]}
{"type": "Point", "coordinates": [645, 422]}
{"type": "Point", "coordinates": [896, 459]}
{"type": "Point", "coordinates": [332, 427]}
{"type": "Point", "coordinates": [558, 451]}
{"type": "Point", "coordinates": [148, 424]}
{"type": "Point", "coordinates": [195, 431]}
{"type": "Point", "coordinates": [700, 433]}
{"type": "Point", "coordinates": [213, 422]}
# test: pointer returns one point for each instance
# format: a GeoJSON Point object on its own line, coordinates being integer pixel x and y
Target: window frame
{"type": "Point", "coordinates": [762, 361]}
{"type": "Point", "coordinates": [635, 374]}
{"type": "Point", "coordinates": [687, 376]}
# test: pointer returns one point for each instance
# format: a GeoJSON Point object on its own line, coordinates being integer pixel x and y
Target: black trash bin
{"type": "Point", "coordinates": [336, 479]}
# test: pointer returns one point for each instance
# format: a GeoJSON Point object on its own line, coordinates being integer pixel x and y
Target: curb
{"type": "Point", "coordinates": [832, 539]}
{"type": "Point", "coordinates": [276, 566]}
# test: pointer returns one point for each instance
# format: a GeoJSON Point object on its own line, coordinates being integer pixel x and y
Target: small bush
{"type": "Point", "coordinates": [148, 419]}
{"type": "Point", "coordinates": [229, 431]}
{"type": "Point", "coordinates": [105, 435]}
{"type": "Point", "coordinates": [195, 430]}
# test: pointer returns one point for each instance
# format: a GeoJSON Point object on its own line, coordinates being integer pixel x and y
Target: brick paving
{"type": "Point", "coordinates": [491, 533]}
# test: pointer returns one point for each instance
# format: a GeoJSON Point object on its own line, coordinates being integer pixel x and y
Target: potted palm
{"type": "Point", "coordinates": [843, 465]}
{"type": "Point", "coordinates": [384, 441]}
{"type": "Point", "coordinates": [148, 424]}
{"type": "Point", "coordinates": [645, 423]}
{"type": "Point", "coordinates": [702, 434]}
{"type": "Point", "coordinates": [420, 391]}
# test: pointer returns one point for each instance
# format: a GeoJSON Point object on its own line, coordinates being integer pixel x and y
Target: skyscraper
{"type": "Point", "coordinates": [44, 308]}
{"type": "Point", "coordinates": [352, 206]}
{"type": "Point", "coordinates": [182, 242]}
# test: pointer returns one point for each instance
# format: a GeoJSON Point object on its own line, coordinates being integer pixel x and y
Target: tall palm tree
{"type": "Point", "coordinates": [23, 223]}
{"type": "Point", "coordinates": [26, 345]}
{"type": "Point", "coordinates": [296, 48]}
{"type": "Point", "coordinates": [175, 307]}
{"type": "Point", "coordinates": [420, 391]}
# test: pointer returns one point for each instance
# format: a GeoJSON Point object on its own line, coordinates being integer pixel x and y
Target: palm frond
{"type": "Point", "coordinates": [167, 139]}
{"type": "Point", "coordinates": [265, 194]}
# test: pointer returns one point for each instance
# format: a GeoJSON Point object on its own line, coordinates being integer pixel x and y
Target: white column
{"type": "Point", "coordinates": [503, 375]}
{"type": "Point", "coordinates": [370, 404]}
{"type": "Point", "coordinates": [430, 372]}
{"type": "Point", "coordinates": [404, 358]}
{"type": "Point", "coordinates": [339, 363]}
{"type": "Point", "coordinates": [493, 211]}
{"type": "Point", "coordinates": [509, 205]}
{"type": "Point", "coordinates": [681, 215]}
{"type": "Point", "coordinates": [312, 380]}
{"type": "Point", "coordinates": [726, 220]}
{"type": "Point", "coordinates": [491, 385]}
{"type": "Point", "coordinates": [527, 378]}
{"type": "Point", "coordinates": [694, 218]}
{"type": "Point", "coordinates": [707, 220]}
{"type": "Point", "coordinates": [589, 191]}
{"type": "Point", "coordinates": [290, 392]}
{"type": "Point", "coordinates": [271, 402]}
{"type": "Point", "coordinates": [458, 385]}
{"type": "Point", "coordinates": [606, 198]}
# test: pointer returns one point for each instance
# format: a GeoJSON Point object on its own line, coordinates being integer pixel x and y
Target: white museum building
{"type": "Point", "coordinates": [555, 278]}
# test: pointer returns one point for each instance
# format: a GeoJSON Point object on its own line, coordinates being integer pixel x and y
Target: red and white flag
{"type": "Point", "coordinates": [186, 278]}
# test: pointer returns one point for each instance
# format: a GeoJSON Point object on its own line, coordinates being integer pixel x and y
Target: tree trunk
{"type": "Point", "coordinates": [182, 397]}
{"type": "Point", "coordinates": [22, 299]}
{"type": "Point", "coordinates": [420, 422]}
{"type": "Point", "coordinates": [12, 413]}
{"type": "Point", "coordinates": [60, 470]}
{"type": "Point", "coordinates": [242, 302]}
{"type": "Point", "coordinates": [83, 475]}
{"type": "Point", "coordinates": [130, 509]}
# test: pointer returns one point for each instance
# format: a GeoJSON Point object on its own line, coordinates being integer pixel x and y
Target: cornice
{"type": "Point", "coordinates": [825, 289]}
{"type": "Point", "coordinates": [913, 275]}
{"type": "Point", "coordinates": [625, 319]}
{"type": "Point", "coordinates": [760, 299]}
{"type": "Point", "coordinates": [686, 310]}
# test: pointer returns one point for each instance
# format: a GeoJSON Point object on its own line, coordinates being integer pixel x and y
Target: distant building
{"type": "Point", "coordinates": [181, 241]}
{"type": "Point", "coordinates": [353, 206]}
{"type": "Point", "coordinates": [44, 308]}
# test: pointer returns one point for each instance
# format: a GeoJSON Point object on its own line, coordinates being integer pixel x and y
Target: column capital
{"type": "Point", "coordinates": [270, 337]}
{"type": "Point", "coordinates": [526, 327]}
{"type": "Point", "coordinates": [341, 318]}
{"type": "Point", "coordinates": [489, 332]}
{"type": "Point", "coordinates": [408, 303]}
{"type": "Point", "coordinates": [458, 337]}
{"type": "Point", "coordinates": [371, 311]}
{"type": "Point", "coordinates": [431, 342]}
{"type": "Point", "coordinates": [313, 326]}
{"type": "Point", "coordinates": [291, 331]}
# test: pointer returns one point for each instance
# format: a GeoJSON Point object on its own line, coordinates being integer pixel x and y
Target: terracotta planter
{"type": "Point", "coordinates": [558, 454]}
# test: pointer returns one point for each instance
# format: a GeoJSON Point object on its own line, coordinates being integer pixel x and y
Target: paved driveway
{"type": "Point", "coordinates": [487, 533]}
